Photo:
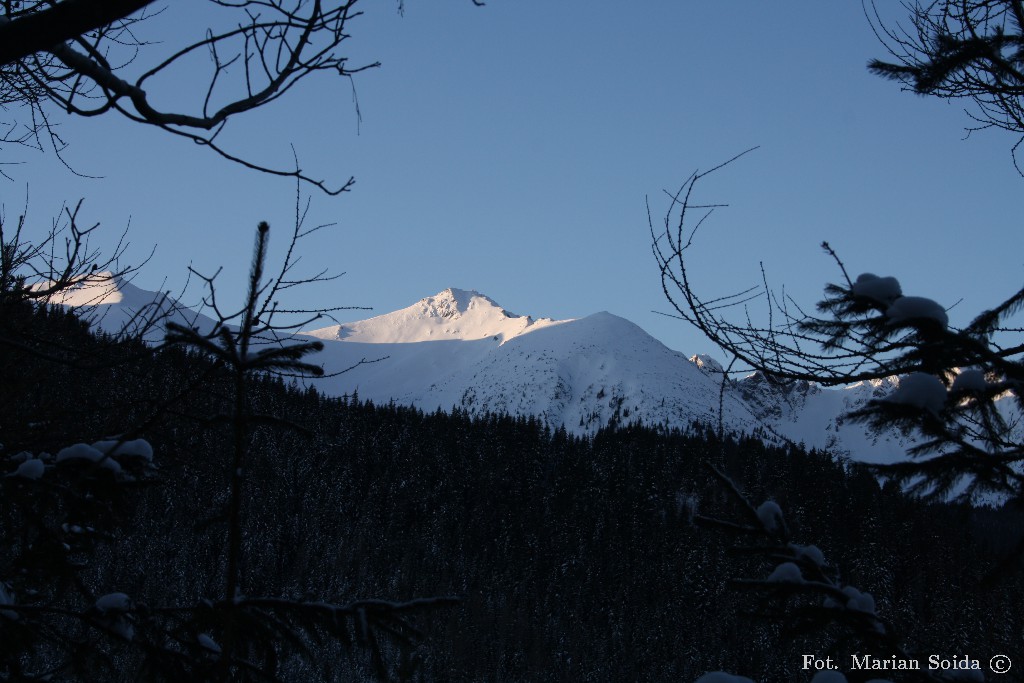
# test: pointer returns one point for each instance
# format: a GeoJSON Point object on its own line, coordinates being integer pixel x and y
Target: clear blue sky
{"type": "Point", "coordinates": [509, 149]}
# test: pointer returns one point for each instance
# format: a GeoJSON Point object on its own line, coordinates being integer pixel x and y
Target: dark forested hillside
{"type": "Point", "coordinates": [574, 559]}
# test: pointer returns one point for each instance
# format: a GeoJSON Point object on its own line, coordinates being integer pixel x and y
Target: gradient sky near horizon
{"type": "Point", "coordinates": [511, 148]}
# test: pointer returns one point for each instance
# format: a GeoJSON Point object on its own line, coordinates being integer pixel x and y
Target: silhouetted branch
{"type": "Point", "coordinates": [91, 58]}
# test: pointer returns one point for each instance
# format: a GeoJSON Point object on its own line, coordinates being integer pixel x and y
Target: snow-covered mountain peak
{"type": "Point", "coordinates": [707, 364]}
{"type": "Point", "coordinates": [115, 304]}
{"type": "Point", "coordinates": [95, 289]}
{"type": "Point", "coordinates": [583, 374]}
{"type": "Point", "coordinates": [453, 314]}
{"type": "Point", "coordinates": [875, 388]}
{"type": "Point", "coordinates": [453, 303]}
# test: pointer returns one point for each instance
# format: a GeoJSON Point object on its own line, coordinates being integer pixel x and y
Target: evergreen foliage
{"type": "Point", "coordinates": [59, 618]}
{"type": "Point", "coordinates": [575, 559]}
{"type": "Point", "coordinates": [960, 49]}
{"type": "Point", "coordinates": [956, 390]}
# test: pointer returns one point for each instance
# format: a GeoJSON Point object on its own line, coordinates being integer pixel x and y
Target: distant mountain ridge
{"type": "Point", "coordinates": [461, 349]}
{"type": "Point", "coordinates": [114, 304]}
{"type": "Point", "coordinates": [452, 314]}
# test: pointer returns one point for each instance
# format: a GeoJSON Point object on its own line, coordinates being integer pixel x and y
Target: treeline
{"type": "Point", "coordinates": [575, 559]}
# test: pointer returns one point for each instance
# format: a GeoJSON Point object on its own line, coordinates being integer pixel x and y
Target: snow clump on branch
{"type": "Point", "coordinates": [31, 468]}
{"type": "Point", "coordinates": [134, 448]}
{"type": "Point", "coordinates": [770, 515]}
{"type": "Point", "coordinates": [82, 451]}
{"type": "Point", "coordinates": [862, 602]}
{"type": "Point", "coordinates": [921, 390]}
{"type": "Point", "coordinates": [722, 677]}
{"type": "Point", "coordinates": [908, 308]}
{"type": "Point", "coordinates": [884, 290]}
{"type": "Point", "coordinates": [787, 572]}
{"type": "Point", "coordinates": [808, 552]}
{"type": "Point", "coordinates": [109, 454]}
{"type": "Point", "coordinates": [971, 380]}
{"type": "Point", "coordinates": [885, 293]}
{"type": "Point", "coordinates": [114, 611]}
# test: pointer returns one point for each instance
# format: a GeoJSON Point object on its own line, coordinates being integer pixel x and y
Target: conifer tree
{"type": "Point", "coordinates": [959, 50]}
{"type": "Point", "coordinates": [59, 617]}
{"type": "Point", "coordinates": [959, 394]}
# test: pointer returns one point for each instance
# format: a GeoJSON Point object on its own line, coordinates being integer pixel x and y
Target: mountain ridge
{"type": "Point", "coordinates": [461, 349]}
{"type": "Point", "coordinates": [115, 304]}
{"type": "Point", "coordinates": [451, 314]}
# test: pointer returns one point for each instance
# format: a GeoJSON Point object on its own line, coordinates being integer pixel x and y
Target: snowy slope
{"type": "Point", "coordinates": [452, 314]}
{"type": "Point", "coordinates": [461, 349]}
{"type": "Point", "coordinates": [582, 373]}
{"type": "Point", "coordinates": [115, 305]}
{"type": "Point", "coordinates": [815, 416]}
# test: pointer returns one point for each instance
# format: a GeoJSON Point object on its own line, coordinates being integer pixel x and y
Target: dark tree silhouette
{"type": "Point", "coordinates": [960, 394]}
{"type": "Point", "coordinates": [960, 49]}
{"type": "Point", "coordinates": [866, 328]}
{"type": "Point", "coordinates": [58, 510]}
{"type": "Point", "coordinates": [248, 343]}
{"type": "Point", "coordinates": [60, 262]}
{"type": "Point", "coordinates": [961, 390]}
{"type": "Point", "coordinates": [89, 58]}
{"type": "Point", "coordinates": [29, 27]}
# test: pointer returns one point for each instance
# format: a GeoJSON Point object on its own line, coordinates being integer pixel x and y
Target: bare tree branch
{"type": "Point", "coordinates": [867, 329]}
{"type": "Point", "coordinates": [959, 49]}
{"type": "Point", "coordinates": [90, 58]}
{"type": "Point", "coordinates": [40, 27]}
